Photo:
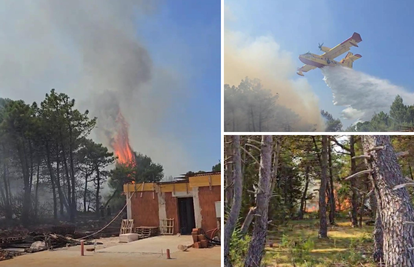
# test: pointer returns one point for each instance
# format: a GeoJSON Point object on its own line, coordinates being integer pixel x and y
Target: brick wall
{"type": "Point", "coordinates": [171, 207]}
{"type": "Point", "coordinates": [207, 200]}
{"type": "Point", "coordinates": [145, 209]}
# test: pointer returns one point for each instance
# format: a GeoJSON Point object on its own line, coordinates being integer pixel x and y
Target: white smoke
{"type": "Point", "coordinates": [91, 51]}
{"type": "Point", "coordinates": [363, 95]}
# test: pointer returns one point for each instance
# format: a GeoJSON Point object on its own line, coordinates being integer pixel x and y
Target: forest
{"type": "Point", "coordinates": [50, 168]}
{"type": "Point", "coordinates": [309, 200]}
{"type": "Point", "coordinates": [250, 107]}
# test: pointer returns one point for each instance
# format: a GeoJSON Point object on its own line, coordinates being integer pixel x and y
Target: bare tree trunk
{"type": "Point", "coordinates": [378, 239]}
{"type": "Point", "coordinates": [37, 188]}
{"type": "Point", "coordinates": [332, 188]}
{"type": "Point", "coordinates": [8, 195]}
{"type": "Point", "coordinates": [354, 197]}
{"type": "Point", "coordinates": [257, 244]}
{"type": "Point", "coordinates": [394, 206]}
{"type": "Point", "coordinates": [72, 175]}
{"type": "Point", "coordinates": [98, 187]}
{"type": "Point", "coordinates": [85, 192]}
{"type": "Point", "coordinates": [229, 176]}
{"type": "Point", "coordinates": [237, 199]}
{"type": "Point", "coordinates": [52, 179]}
{"type": "Point", "coordinates": [62, 198]}
{"type": "Point", "coordinates": [68, 184]}
{"type": "Point", "coordinates": [304, 194]}
{"type": "Point", "coordinates": [323, 228]}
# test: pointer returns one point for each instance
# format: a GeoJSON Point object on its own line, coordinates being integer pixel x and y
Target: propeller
{"type": "Point", "coordinates": [320, 46]}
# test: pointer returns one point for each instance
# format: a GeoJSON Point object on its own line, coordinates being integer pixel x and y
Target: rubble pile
{"type": "Point", "coordinates": [6, 255]}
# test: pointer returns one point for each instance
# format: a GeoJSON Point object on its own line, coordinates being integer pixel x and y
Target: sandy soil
{"type": "Point", "coordinates": [151, 251]}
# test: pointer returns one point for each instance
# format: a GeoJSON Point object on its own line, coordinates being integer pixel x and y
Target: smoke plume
{"type": "Point", "coordinates": [91, 51]}
{"type": "Point", "coordinates": [263, 59]}
{"type": "Point", "coordinates": [363, 95]}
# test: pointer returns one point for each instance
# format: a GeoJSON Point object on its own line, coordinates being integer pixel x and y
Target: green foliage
{"type": "Point", "coordinates": [400, 117]}
{"type": "Point", "coordinates": [331, 124]}
{"type": "Point", "coordinates": [249, 107]}
{"type": "Point", "coordinates": [216, 168]}
{"type": "Point", "coordinates": [143, 171]}
{"type": "Point", "coordinates": [238, 247]}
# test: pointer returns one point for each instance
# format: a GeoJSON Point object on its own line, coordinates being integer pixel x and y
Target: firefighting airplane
{"type": "Point", "coordinates": [313, 61]}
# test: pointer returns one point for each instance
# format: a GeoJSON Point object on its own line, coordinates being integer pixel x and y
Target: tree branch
{"type": "Point", "coordinates": [402, 186]}
{"type": "Point", "coordinates": [250, 145]}
{"type": "Point", "coordinates": [377, 148]}
{"type": "Point", "coordinates": [362, 157]}
{"type": "Point", "coordinates": [358, 174]}
{"type": "Point", "coordinates": [247, 221]}
{"type": "Point", "coordinates": [402, 154]}
{"type": "Point", "coordinates": [248, 153]}
{"type": "Point", "coordinates": [339, 144]}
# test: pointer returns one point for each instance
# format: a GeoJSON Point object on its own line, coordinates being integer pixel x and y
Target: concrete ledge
{"type": "Point", "coordinates": [126, 238]}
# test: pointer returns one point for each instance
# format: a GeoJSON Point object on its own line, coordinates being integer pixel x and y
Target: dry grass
{"type": "Point", "coordinates": [299, 243]}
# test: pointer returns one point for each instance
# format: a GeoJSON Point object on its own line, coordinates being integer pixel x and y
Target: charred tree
{"type": "Point", "coordinates": [237, 199]}
{"type": "Point", "coordinates": [394, 206]}
{"type": "Point", "coordinates": [257, 243]}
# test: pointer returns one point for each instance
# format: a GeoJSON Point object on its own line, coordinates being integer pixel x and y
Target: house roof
{"type": "Point", "coordinates": [207, 179]}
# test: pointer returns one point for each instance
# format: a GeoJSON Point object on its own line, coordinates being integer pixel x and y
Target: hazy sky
{"type": "Point", "coordinates": [298, 26]}
{"type": "Point", "coordinates": [159, 60]}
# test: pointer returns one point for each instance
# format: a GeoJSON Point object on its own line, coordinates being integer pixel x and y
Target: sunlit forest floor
{"type": "Point", "coordinates": [297, 244]}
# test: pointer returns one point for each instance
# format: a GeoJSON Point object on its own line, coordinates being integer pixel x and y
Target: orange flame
{"type": "Point", "coordinates": [120, 143]}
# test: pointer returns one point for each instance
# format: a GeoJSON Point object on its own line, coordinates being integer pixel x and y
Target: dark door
{"type": "Point", "coordinates": [186, 215]}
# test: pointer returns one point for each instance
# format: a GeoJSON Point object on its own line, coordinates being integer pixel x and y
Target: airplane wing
{"type": "Point", "coordinates": [306, 68]}
{"type": "Point", "coordinates": [343, 47]}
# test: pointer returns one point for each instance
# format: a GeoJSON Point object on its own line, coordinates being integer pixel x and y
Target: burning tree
{"type": "Point", "coordinates": [120, 143]}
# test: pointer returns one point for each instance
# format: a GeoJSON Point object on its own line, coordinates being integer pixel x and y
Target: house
{"type": "Point", "coordinates": [182, 204]}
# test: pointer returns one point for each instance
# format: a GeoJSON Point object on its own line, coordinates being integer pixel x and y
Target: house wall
{"type": "Point", "coordinates": [207, 199]}
{"type": "Point", "coordinates": [171, 207]}
{"type": "Point", "coordinates": [156, 204]}
{"type": "Point", "coordinates": [144, 210]}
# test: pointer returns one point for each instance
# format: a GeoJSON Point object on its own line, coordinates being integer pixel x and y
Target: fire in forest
{"type": "Point", "coordinates": [120, 143]}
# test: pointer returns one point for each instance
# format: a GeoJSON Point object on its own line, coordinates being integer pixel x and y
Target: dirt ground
{"type": "Point", "coordinates": [151, 251]}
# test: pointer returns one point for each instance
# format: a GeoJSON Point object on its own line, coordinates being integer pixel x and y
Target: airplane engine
{"type": "Point", "coordinates": [325, 49]}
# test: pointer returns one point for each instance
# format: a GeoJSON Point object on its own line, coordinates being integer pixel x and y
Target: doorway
{"type": "Point", "coordinates": [186, 215]}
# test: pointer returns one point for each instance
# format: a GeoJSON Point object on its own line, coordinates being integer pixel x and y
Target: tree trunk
{"type": "Point", "coordinates": [85, 192]}
{"type": "Point", "coordinates": [378, 239]}
{"type": "Point", "coordinates": [8, 210]}
{"type": "Point", "coordinates": [62, 198]}
{"type": "Point", "coordinates": [52, 179]}
{"type": "Point", "coordinates": [257, 243]}
{"type": "Point", "coordinates": [304, 194]}
{"type": "Point", "coordinates": [229, 176]}
{"type": "Point", "coordinates": [332, 189]}
{"type": "Point", "coordinates": [98, 187]}
{"type": "Point", "coordinates": [323, 228]}
{"type": "Point", "coordinates": [354, 197]}
{"type": "Point", "coordinates": [31, 165]}
{"type": "Point", "coordinates": [237, 199]}
{"type": "Point", "coordinates": [72, 174]}
{"type": "Point", "coordinates": [394, 206]}
{"type": "Point", "coordinates": [110, 198]}
{"type": "Point", "coordinates": [68, 184]}
{"type": "Point", "coordinates": [21, 150]}
{"type": "Point", "coordinates": [37, 188]}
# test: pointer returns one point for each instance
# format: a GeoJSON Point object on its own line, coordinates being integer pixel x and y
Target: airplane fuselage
{"type": "Point", "coordinates": [313, 61]}
{"type": "Point", "coordinates": [317, 60]}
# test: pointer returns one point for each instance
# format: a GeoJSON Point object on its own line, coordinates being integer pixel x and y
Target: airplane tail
{"type": "Point", "coordinates": [349, 59]}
